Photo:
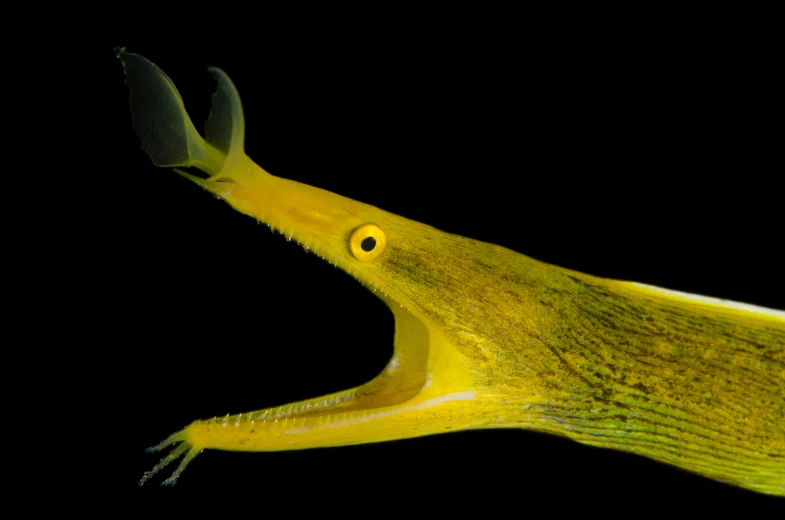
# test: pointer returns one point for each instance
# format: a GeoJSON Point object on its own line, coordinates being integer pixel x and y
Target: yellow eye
{"type": "Point", "coordinates": [368, 242]}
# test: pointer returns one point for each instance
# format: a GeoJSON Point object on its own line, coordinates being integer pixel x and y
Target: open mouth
{"type": "Point", "coordinates": [321, 421]}
{"type": "Point", "coordinates": [423, 389]}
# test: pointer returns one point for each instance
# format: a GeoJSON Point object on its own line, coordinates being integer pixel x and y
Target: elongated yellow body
{"type": "Point", "coordinates": [486, 337]}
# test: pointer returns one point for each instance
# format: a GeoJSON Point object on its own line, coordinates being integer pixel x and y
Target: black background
{"type": "Point", "coordinates": [638, 153]}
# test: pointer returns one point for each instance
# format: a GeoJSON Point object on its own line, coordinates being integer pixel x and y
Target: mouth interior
{"type": "Point", "coordinates": [402, 379]}
{"type": "Point", "coordinates": [404, 376]}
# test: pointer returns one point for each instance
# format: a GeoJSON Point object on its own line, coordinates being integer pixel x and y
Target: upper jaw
{"type": "Point", "coordinates": [319, 221]}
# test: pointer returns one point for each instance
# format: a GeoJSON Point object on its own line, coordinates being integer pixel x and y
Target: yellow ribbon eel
{"type": "Point", "coordinates": [486, 337]}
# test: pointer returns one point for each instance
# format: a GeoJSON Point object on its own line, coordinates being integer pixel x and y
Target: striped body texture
{"type": "Point", "coordinates": [486, 337]}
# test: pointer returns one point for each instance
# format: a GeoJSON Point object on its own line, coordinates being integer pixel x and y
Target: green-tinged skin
{"type": "Point", "coordinates": [488, 338]}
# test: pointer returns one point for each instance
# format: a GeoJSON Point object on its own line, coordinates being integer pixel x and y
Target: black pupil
{"type": "Point", "coordinates": [368, 244]}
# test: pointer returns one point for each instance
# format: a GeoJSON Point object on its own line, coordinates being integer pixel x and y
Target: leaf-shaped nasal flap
{"type": "Point", "coordinates": [225, 128]}
{"type": "Point", "coordinates": [159, 116]}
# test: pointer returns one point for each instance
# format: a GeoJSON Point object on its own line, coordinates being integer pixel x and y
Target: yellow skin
{"type": "Point", "coordinates": [486, 337]}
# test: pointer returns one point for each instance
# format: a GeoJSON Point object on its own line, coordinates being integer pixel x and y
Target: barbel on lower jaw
{"type": "Point", "coordinates": [486, 337]}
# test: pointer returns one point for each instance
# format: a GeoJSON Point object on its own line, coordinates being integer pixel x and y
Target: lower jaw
{"type": "Point", "coordinates": [420, 416]}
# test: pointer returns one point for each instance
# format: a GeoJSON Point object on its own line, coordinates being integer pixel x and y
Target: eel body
{"type": "Point", "coordinates": [486, 337]}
